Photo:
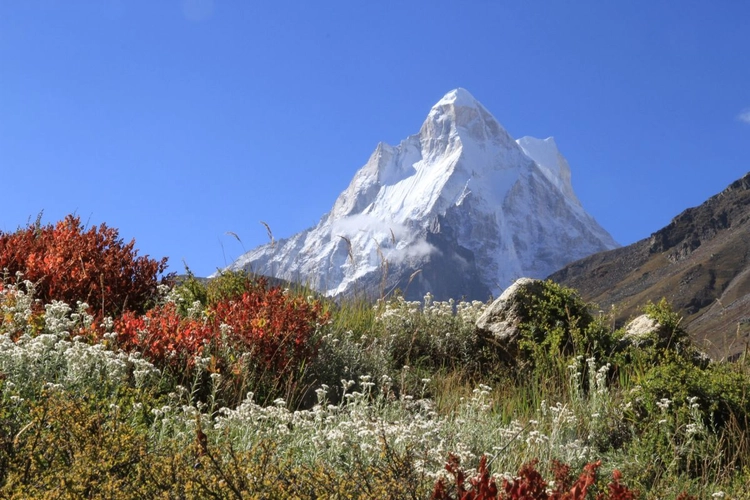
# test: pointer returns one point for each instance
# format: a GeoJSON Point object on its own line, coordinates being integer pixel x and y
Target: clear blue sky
{"type": "Point", "coordinates": [177, 121]}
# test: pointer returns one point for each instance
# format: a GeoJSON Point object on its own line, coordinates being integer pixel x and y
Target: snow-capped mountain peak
{"type": "Point", "coordinates": [458, 97]}
{"type": "Point", "coordinates": [458, 115]}
{"type": "Point", "coordinates": [461, 204]}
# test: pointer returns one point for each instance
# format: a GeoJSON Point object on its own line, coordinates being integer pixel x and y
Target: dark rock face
{"type": "Point", "coordinates": [700, 262]}
{"type": "Point", "coordinates": [451, 271]}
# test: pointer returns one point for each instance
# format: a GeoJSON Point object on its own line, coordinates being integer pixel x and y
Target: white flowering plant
{"type": "Point", "coordinates": [432, 334]}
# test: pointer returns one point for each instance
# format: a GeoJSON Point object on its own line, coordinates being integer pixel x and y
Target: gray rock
{"type": "Point", "coordinates": [645, 331]}
{"type": "Point", "coordinates": [501, 321]}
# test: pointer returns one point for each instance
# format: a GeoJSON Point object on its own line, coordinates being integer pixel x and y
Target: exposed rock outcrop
{"type": "Point", "coordinates": [700, 263]}
{"type": "Point", "coordinates": [502, 320]}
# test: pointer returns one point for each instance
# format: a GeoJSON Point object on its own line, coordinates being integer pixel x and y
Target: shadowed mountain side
{"type": "Point", "coordinates": [700, 262]}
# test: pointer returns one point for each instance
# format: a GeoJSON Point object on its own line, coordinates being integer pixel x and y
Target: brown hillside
{"type": "Point", "coordinates": [700, 262]}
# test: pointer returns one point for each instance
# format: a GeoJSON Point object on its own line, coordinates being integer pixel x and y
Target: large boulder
{"type": "Point", "coordinates": [501, 321]}
{"type": "Point", "coordinates": [645, 331]}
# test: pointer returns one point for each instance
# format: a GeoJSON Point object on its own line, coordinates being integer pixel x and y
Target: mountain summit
{"type": "Point", "coordinates": [459, 209]}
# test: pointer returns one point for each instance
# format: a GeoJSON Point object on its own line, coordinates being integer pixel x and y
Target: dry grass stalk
{"type": "Point", "coordinates": [348, 248]}
{"type": "Point", "coordinates": [269, 232]}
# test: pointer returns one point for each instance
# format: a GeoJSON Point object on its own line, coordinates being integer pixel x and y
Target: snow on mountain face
{"type": "Point", "coordinates": [459, 209]}
{"type": "Point", "coordinates": [554, 166]}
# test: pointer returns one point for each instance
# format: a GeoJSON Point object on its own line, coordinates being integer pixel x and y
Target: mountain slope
{"type": "Point", "coordinates": [700, 262]}
{"type": "Point", "coordinates": [459, 209]}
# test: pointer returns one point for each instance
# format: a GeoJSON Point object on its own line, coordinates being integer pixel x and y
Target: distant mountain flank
{"type": "Point", "coordinates": [700, 262]}
{"type": "Point", "coordinates": [459, 209]}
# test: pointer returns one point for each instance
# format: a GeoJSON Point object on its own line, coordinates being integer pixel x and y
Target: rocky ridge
{"type": "Point", "coordinates": [700, 262]}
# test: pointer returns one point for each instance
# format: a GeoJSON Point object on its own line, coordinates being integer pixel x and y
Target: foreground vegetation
{"type": "Point", "coordinates": [234, 389]}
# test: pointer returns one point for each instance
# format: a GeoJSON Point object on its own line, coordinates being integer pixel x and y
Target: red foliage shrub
{"type": "Point", "coordinates": [685, 496]}
{"type": "Point", "coordinates": [482, 485]}
{"type": "Point", "coordinates": [562, 473]}
{"type": "Point", "coordinates": [69, 263]}
{"type": "Point", "coordinates": [529, 485]}
{"type": "Point", "coordinates": [618, 491]}
{"type": "Point", "coordinates": [164, 336]}
{"type": "Point", "coordinates": [273, 327]}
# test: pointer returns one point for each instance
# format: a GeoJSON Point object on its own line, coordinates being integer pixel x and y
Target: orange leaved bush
{"type": "Point", "coordinates": [274, 326]}
{"type": "Point", "coordinates": [68, 262]}
{"type": "Point", "coordinates": [163, 336]}
{"type": "Point", "coordinates": [273, 329]}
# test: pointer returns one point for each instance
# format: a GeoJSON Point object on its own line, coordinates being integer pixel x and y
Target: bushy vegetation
{"type": "Point", "coordinates": [559, 325]}
{"type": "Point", "coordinates": [261, 336]}
{"type": "Point", "coordinates": [68, 262]}
{"type": "Point", "coordinates": [237, 389]}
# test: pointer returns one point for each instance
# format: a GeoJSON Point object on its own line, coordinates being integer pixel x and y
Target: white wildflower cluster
{"type": "Point", "coordinates": [595, 402]}
{"type": "Point", "coordinates": [369, 419]}
{"type": "Point", "coordinates": [664, 404]}
{"type": "Point", "coordinates": [401, 310]}
{"type": "Point", "coordinates": [599, 400]}
{"type": "Point", "coordinates": [58, 319]}
{"type": "Point", "coordinates": [176, 295]}
{"type": "Point", "coordinates": [553, 433]}
{"type": "Point", "coordinates": [345, 354]}
{"type": "Point", "coordinates": [469, 312]}
{"type": "Point", "coordinates": [30, 361]}
{"type": "Point", "coordinates": [163, 293]}
{"type": "Point", "coordinates": [45, 353]}
{"type": "Point", "coordinates": [686, 431]}
{"type": "Point", "coordinates": [575, 376]}
{"type": "Point", "coordinates": [398, 312]}
{"type": "Point", "coordinates": [355, 429]}
{"type": "Point", "coordinates": [195, 309]}
{"type": "Point", "coordinates": [16, 308]}
{"type": "Point", "coordinates": [366, 422]}
{"type": "Point", "coordinates": [445, 330]}
{"type": "Point", "coordinates": [696, 426]}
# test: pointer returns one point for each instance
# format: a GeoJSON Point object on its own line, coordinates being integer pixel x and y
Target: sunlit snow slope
{"type": "Point", "coordinates": [459, 209]}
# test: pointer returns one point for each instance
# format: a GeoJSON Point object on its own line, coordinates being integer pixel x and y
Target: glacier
{"type": "Point", "coordinates": [460, 209]}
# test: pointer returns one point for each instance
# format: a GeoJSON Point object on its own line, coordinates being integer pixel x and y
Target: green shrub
{"type": "Point", "coordinates": [347, 356]}
{"type": "Point", "coordinates": [188, 292]}
{"type": "Point", "coordinates": [721, 390]}
{"type": "Point", "coordinates": [72, 446]}
{"type": "Point", "coordinates": [690, 420]}
{"type": "Point", "coordinates": [192, 292]}
{"type": "Point", "coordinates": [228, 285]}
{"type": "Point", "coordinates": [674, 337]}
{"type": "Point", "coordinates": [559, 327]}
